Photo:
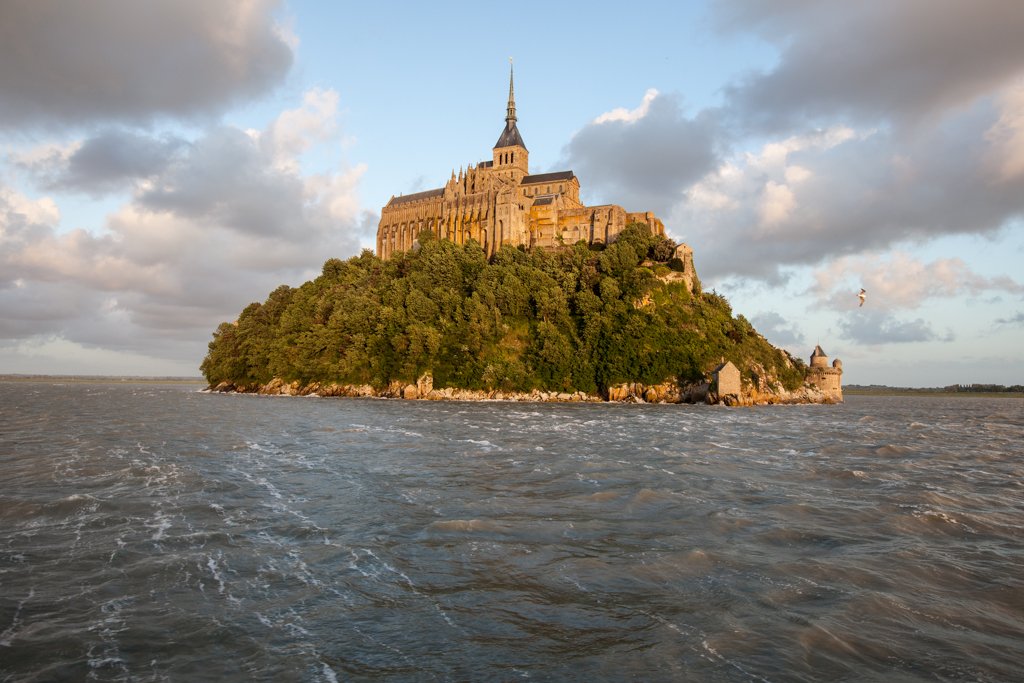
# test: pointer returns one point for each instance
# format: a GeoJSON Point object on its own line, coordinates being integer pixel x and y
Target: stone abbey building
{"type": "Point", "coordinates": [499, 202]}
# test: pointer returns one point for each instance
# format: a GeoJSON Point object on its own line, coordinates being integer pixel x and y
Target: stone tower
{"type": "Point", "coordinates": [827, 379]}
{"type": "Point", "coordinates": [511, 158]}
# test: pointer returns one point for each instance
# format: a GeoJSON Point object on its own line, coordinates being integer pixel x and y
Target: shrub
{"type": "Point", "coordinates": [664, 250]}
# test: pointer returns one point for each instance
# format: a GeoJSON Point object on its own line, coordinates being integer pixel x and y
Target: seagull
{"type": "Point", "coordinates": [863, 295]}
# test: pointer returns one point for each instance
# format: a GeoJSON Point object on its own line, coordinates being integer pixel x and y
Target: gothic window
{"type": "Point", "coordinates": [513, 157]}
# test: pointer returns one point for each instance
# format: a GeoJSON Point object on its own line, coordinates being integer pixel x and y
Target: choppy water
{"type": "Point", "coordinates": [153, 533]}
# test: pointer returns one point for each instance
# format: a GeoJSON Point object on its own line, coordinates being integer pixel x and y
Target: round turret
{"type": "Point", "coordinates": [837, 364]}
{"type": "Point", "coordinates": [818, 358]}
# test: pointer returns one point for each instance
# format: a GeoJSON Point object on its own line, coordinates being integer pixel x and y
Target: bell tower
{"type": "Point", "coordinates": [511, 158]}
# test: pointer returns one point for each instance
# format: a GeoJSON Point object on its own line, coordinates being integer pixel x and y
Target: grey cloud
{"type": "Point", "coordinates": [110, 161]}
{"type": "Point", "coordinates": [71, 62]}
{"type": "Point", "coordinates": [1016, 320]}
{"type": "Point", "coordinates": [227, 180]}
{"type": "Point", "coordinates": [901, 60]}
{"type": "Point", "coordinates": [865, 193]}
{"type": "Point", "coordinates": [778, 330]}
{"type": "Point", "coordinates": [875, 327]}
{"type": "Point", "coordinates": [223, 221]}
{"type": "Point", "coordinates": [920, 169]}
{"type": "Point", "coordinates": [645, 164]}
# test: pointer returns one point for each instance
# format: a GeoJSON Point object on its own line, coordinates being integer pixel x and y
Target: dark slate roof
{"type": "Point", "coordinates": [548, 177]}
{"type": "Point", "coordinates": [416, 196]}
{"type": "Point", "coordinates": [818, 352]}
{"type": "Point", "coordinates": [486, 164]}
{"type": "Point", "coordinates": [541, 201]}
{"type": "Point", "coordinates": [510, 136]}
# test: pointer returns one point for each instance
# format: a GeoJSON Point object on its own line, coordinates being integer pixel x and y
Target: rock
{"type": "Point", "coordinates": [619, 392]}
{"type": "Point", "coordinates": [410, 392]}
{"type": "Point", "coordinates": [425, 383]}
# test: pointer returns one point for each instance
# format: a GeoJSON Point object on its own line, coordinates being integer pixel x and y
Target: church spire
{"type": "Point", "coordinates": [510, 134]}
{"type": "Point", "coordinates": [511, 117]}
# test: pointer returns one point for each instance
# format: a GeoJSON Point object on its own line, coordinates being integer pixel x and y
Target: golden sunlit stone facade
{"type": "Point", "coordinates": [498, 202]}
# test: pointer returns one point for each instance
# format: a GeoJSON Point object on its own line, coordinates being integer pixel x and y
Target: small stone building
{"type": "Point", "coordinates": [827, 379]}
{"type": "Point", "coordinates": [727, 379]}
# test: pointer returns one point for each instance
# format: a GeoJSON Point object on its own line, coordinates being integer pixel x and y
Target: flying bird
{"type": "Point", "coordinates": [863, 295]}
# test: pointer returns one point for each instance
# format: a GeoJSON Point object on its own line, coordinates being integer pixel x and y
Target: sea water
{"type": "Point", "coordinates": [155, 533]}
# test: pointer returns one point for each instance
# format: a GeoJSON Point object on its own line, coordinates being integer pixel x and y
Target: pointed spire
{"type": "Point", "coordinates": [511, 117]}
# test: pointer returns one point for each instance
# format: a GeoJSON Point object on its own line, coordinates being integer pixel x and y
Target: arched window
{"type": "Point", "coordinates": [513, 157]}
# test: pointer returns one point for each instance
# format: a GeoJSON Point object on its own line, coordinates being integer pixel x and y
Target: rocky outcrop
{"type": "Point", "coordinates": [763, 393]}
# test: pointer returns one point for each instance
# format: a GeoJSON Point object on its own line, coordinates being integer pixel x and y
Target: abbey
{"type": "Point", "coordinates": [499, 202]}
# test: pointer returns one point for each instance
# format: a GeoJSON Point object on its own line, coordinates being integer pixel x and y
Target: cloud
{"type": "Point", "coordinates": [874, 328]}
{"type": "Point", "coordinates": [828, 193]}
{"type": "Point", "coordinates": [1006, 136]}
{"type": "Point", "coordinates": [108, 162]}
{"type": "Point", "coordinates": [897, 60]}
{"type": "Point", "coordinates": [899, 281]}
{"type": "Point", "coordinates": [643, 159]}
{"type": "Point", "coordinates": [778, 330]}
{"type": "Point", "coordinates": [1016, 320]}
{"type": "Point", "coordinates": [886, 122]}
{"type": "Point", "coordinates": [627, 116]}
{"type": "Point", "coordinates": [68, 62]}
{"type": "Point", "coordinates": [221, 220]}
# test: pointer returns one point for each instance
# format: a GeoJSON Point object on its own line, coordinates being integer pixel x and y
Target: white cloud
{"type": "Point", "coordinates": [899, 281]}
{"type": "Point", "coordinates": [296, 130]}
{"type": "Point", "coordinates": [223, 220]}
{"type": "Point", "coordinates": [16, 209]}
{"type": "Point", "coordinates": [626, 116]}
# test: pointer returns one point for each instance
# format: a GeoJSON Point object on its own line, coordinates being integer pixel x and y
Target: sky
{"type": "Point", "coordinates": [164, 164]}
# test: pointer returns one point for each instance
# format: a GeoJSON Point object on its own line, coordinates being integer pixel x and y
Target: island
{"type": "Point", "coordinates": [626, 321]}
{"type": "Point", "coordinates": [503, 285]}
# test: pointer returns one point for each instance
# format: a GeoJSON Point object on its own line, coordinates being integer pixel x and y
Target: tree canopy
{"type": "Point", "coordinates": [567, 319]}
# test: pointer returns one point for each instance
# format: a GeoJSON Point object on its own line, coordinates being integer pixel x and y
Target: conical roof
{"type": "Point", "coordinates": [510, 136]}
{"type": "Point", "coordinates": [818, 352]}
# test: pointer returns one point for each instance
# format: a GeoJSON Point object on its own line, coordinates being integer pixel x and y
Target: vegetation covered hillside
{"type": "Point", "coordinates": [570, 319]}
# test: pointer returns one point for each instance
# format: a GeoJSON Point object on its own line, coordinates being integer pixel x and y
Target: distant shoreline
{"type": "Point", "coordinates": [100, 379]}
{"type": "Point", "coordinates": [936, 394]}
